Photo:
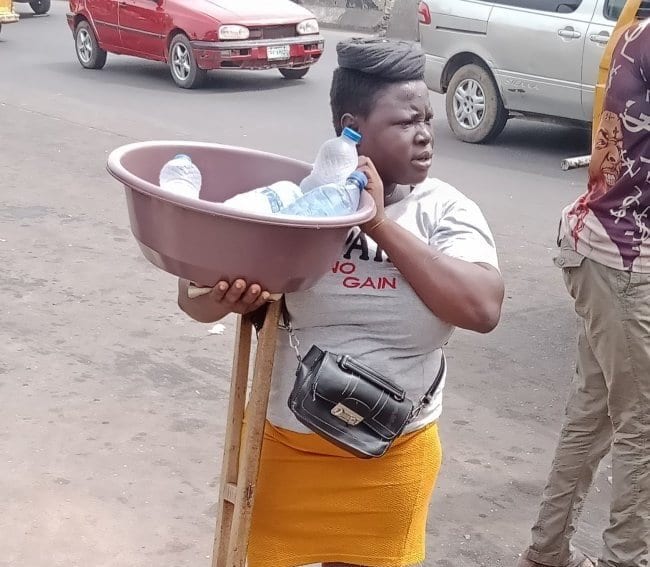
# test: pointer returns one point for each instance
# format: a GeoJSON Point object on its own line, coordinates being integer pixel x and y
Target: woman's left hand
{"type": "Point", "coordinates": [376, 189]}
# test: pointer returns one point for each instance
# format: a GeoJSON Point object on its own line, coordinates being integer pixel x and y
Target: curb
{"type": "Point", "coordinates": [352, 19]}
{"type": "Point", "coordinates": [392, 18]}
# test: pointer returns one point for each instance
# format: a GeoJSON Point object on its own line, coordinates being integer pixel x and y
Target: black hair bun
{"type": "Point", "coordinates": [393, 60]}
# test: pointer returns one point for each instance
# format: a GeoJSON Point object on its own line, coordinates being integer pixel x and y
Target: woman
{"type": "Point", "coordinates": [426, 263]}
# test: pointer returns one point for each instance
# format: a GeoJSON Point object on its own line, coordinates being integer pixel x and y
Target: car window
{"type": "Point", "coordinates": [560, 6]}
{"type": "Point", "coordinates": [613, 9]}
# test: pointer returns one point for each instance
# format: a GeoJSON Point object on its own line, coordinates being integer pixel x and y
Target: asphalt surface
{"type": "Point", "coordinates": [113, 403]}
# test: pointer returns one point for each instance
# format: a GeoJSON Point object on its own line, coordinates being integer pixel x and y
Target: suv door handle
{"type": "Point", "coordinates": [601, 38]}
{"type": "Point", "coordinates": [569, 33]}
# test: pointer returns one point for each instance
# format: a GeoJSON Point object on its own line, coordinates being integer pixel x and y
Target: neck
{"type": "Point", "coordinates": [389, 189]}
{"type": "Point", "coordinates": [397, 194]}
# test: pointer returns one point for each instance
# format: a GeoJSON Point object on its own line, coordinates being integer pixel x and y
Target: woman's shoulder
{"type": "Point", "coordinates": [435, 194]}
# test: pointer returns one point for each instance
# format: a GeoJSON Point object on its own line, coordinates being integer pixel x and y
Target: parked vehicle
{"type": "Point", "coordinates": [504, 59]}
{"type": "Point", "coordinates": [195, 36]}
{"type": "Point", "coordinates": [7, 14]}
{"type": "Point", "coordinates": [39, 7]}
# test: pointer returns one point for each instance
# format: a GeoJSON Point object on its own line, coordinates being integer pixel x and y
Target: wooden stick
{"type": "Point", "coordinates": [230, 463]}
{"type": "Point", "coordinates": [253, 436]}
{"type": "Point", "coordinates": [194, 291]}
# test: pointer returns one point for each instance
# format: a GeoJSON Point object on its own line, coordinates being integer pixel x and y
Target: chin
{"type": "Point", "coordinates": [415, 177]}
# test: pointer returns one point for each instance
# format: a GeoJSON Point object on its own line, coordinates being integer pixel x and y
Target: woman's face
{"type": "Point", "coordinates": [398, 134]}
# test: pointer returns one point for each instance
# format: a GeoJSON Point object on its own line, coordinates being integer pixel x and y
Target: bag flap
{"type": "Point", "coordinates": [378, 410]}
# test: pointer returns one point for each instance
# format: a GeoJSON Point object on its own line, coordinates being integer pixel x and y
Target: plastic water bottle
{"type": "Point", "coordinates": [331, 200]}
{"type": "Point", "coordinates": [181, 177]}
{"type": "Point", "coordinates": [336, 160]}
{"type": "Point", "coordinates": [266, 200]}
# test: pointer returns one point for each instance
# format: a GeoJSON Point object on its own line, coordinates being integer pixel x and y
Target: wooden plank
{"type": "Point", "coordinates": [232, 444]}
{"type": "Point", "coordinates": [230, 493]}
{"type": "Point", "coordinates": [253, 437]}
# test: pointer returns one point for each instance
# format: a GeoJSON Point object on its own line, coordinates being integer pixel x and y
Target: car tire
{"type": "Point", "coordinates": [90, 55]}
{"type": "Point", "coordinates": [475, 110]}
{"type": "Point", "coordinates": [294, 74]}
{"type": "Point", "coordinates": [183, 66]}
{"type": "Point", "coordinates": [40, 7]}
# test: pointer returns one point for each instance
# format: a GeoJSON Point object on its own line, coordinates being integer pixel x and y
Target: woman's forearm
{"type": "Point", "coordinates": [461, 293]}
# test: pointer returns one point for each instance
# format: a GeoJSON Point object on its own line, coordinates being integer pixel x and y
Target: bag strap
{"type": "Point", "coordinates": [428, 395]}
{"type": "Point", "coordinates": [285, 324]}
{"type": "Point", "coordinates": [424, 401]}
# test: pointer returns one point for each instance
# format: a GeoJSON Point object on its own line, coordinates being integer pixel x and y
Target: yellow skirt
{"type": "Point", "coordinates": [315, 503]}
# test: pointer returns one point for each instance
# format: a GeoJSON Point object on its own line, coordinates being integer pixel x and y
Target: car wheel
{"type": "Point", "coordinates": [474, 107]}
{"type": "Point", "coordinates": [294, 74]}
{"type": "Point", "coordinates": [185, 70]}
{"type": "Point", "coordinates": [90, 55]}
{"type": "Point", "coordinates": [40, 6]}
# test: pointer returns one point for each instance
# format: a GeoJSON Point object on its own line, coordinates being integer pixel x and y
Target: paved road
{"type": "Point", "coordinates": [113, 403]}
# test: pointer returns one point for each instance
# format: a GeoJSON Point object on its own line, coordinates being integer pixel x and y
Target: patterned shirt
{"type": "Point", "coordinates": [610, 223]}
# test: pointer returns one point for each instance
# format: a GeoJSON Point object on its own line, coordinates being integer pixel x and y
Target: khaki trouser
{"type": "Point", "coordinates": [609, 407]}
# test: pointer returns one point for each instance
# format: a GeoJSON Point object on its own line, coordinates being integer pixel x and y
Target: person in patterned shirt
{"type": "Point", "coordinates": [605, 258]}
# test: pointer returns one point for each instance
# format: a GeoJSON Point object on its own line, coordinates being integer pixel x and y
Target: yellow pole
{"type": "Point", "coordinates": [627, 17]}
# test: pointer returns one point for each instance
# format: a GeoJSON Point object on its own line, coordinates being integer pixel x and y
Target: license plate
{"type": "Point", "coordinates": [278, 52]}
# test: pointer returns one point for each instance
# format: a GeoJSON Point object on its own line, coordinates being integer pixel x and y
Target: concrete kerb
{"type": "Point", "coordinates": [392, 18]}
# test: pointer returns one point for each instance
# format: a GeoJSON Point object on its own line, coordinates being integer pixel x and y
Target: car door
{"type": "Point", "coordinates": [104, 14]}
{"type": "Point", "coordinates": [448, 28]}
{"type": "Point", "coordinates": [598, 34]}
{"type": "Point", "coordinates": [537, 47]}
{"type": "Point", "coordinates": [142, 28]}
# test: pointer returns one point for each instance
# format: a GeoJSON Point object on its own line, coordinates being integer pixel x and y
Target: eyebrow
{"type": "Point", "coordinates": [616, 136]}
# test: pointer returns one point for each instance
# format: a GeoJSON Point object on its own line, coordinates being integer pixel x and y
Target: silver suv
{"type": "Point", "coordinates": [503, 59]}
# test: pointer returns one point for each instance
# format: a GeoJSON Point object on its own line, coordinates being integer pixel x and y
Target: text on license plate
{"type": "Point", "coordinates": [276, 52]}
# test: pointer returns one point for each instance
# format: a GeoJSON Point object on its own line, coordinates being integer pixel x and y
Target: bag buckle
{"type": "Point", "coordinates": [346, 415]}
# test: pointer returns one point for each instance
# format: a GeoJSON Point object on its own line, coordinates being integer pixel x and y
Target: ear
{"type": "Point", "coordinates": [349, 121]}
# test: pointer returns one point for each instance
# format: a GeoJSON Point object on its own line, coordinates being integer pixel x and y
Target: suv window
{"type": "Point", "coordinates": [613, 9]}
{"type": "Point", "coordinates": [561, 6]}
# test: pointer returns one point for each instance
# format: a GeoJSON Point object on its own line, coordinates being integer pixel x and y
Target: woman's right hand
{"type": "Point", "coordinates": [224, 298]}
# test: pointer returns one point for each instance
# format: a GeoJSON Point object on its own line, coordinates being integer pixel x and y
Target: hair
{"type": "Point", "coordinates": [354, 93]}
{"type": "Point", "coordinates": [367, 67]}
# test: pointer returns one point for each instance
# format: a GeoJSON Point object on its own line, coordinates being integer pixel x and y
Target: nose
{"type": "Point", "coordinates": [424, 135]}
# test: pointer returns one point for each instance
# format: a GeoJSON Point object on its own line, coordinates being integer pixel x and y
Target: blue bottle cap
{"type": "Point", "coordinates": [360, 178]}
{"type": "Point", "coordinates": [351, 134]}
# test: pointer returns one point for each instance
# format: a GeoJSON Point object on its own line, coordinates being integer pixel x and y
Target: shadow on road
{"type": "Point", "coordinates": [522, 135]}
{"type": "Point", "coordinates": [155, 77]}
{"type": "Point", "coordinates": [28, 15]}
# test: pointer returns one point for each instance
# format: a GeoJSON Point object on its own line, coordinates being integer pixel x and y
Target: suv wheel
{"type": "Point", "coordinates": [185, 70]}
{"type": "Point", "coordinates": [474, 107]}
{"type": "Point", "coordinates": [90, 55]}
{"type": "Point", "coordinates": [40, 7]}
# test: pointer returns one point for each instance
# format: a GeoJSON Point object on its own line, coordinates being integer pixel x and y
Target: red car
{"type": "Point", "coordinates": [195, 36]}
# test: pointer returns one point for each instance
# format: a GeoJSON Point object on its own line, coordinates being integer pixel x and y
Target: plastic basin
{"type": "Point", "coordinates": [205, 241]}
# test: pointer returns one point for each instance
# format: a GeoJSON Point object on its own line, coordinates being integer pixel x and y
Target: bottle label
{"type": "Point", "coordinates": [273, 199]}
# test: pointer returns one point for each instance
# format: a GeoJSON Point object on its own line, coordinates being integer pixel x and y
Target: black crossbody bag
{"type": "Point", "coordinates": [349, 404]}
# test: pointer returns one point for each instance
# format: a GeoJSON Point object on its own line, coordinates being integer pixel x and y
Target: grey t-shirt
{"type": "Point", "coordinates": [364, 307]}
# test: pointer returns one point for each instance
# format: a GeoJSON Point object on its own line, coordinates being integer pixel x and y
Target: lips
{"type": "Point", "coordinates": [423, 160]}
